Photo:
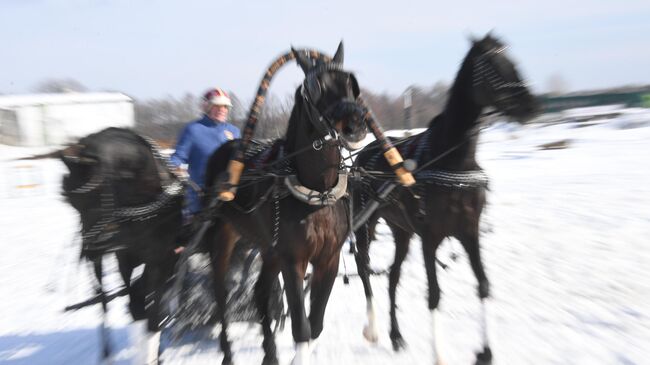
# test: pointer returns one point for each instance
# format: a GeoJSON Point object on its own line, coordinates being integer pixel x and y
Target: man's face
{"type": "Point", "coordinates": [218, 112]}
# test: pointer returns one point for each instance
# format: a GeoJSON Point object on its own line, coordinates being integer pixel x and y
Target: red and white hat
{"type": "Point", "coordinates": [216, 96]}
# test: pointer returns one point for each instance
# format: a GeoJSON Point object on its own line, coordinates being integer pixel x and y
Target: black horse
{"type": "Point", "coordinates": [296, 214]}
{"type": "Point", "coordinates": [449, 195]}
{"type": "Point", "coordinates": [129, 203]}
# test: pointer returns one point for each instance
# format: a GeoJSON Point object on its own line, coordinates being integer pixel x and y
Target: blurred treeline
{"type": "Point", "coordinates": [163, 118]}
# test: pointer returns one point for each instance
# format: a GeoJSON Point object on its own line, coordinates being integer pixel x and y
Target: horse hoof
{"type": "Point", "coordinates": [227, 362]}
{"type": "Point", "coordinates": [270, 360]}
{"type": "Point", "coordinates": [484, 357]}
{"type": "Point", "coordinates": [398, 343]}
{"type": "Point", "coordinates": [484, 290]}
{"type": "Point", "coordinates": [370, 334]}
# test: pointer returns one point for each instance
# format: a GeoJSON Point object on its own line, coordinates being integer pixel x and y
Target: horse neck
{"type": "Point", "coordinates": [455, 127]}
{"type": "Point", "coordinates": [316, 169]}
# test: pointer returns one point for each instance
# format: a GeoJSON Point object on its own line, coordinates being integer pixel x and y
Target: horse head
{"type": "Point", "coordinates": [329, 94]}
{"type": "Point", "coordinates": [496, 81]}
{"type": "Point", "coordinates": [83, 177]}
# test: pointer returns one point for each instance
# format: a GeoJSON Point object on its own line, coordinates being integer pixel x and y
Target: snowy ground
{"type": "Point", "coordinates": [565, 242]}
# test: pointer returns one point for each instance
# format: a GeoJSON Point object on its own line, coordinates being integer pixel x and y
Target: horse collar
{"type": "Point", "coordinates": [313, 197]}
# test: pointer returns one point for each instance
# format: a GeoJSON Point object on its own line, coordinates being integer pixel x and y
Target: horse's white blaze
{"type": "Point", "coordinates": [435, 325]}
{"type": "Point", "coordinates": [370, 330]}
{"type": "Point", "coordinates": [303, 354]}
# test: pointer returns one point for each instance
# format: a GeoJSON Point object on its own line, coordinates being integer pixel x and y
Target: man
{"type": "Point", "coordinates": [200, 138]}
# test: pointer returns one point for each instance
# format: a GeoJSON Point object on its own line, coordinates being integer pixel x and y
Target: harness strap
{"type": "Point", "coordinates": [97, 239]}
{"type": "Point", "coordinates": [454, 179]}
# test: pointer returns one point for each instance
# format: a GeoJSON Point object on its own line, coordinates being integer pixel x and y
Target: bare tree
{"type": "Point", "coordinates": [274, 118]}
{"type": "Point", "coordinates": [387, 109]}
{"type": "Point", "coordinates": [238, 113]}
{"type": "Point", "coordinates": [425, 104]}
{"type": "Point", "coordinates": [162, 119]}
{"type": "Point", "coordinates": [59, 86]}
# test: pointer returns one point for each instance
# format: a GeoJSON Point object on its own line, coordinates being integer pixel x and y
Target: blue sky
{"type": "Point", "coordinates": [153, 48]}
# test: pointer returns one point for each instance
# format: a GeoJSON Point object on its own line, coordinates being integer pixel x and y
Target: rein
{"type": "Point", "coordinates": [419, 169]}
{"type": "Point", "coordinates": [236, 164]}
{"type": "Point", "coordinates": [310, 92]}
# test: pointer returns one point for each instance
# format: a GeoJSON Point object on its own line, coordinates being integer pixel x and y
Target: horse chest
{"type": "Point", "coordinates": [315, 227]}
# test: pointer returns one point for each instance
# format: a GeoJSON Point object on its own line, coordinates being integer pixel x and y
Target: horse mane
{"type": "Point", "coordinates": [437, 119]}
{"type": "Point", "coordinates": [294, 120]}
{"type": "Point", "coordinates": [455, 121]}
{"type": "Point", "coordinates": [463, 77]}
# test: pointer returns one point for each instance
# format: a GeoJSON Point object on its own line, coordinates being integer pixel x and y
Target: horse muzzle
{"type": "Point", "coordinates": [350, 125]}
{"type": "Point", "coordinates": [520, 106]}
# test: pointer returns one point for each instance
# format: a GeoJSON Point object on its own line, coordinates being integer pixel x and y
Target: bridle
{"type": "Point", "coordinates": [486, 78]}
{"type": "Point", "coordinates": [312, 91]}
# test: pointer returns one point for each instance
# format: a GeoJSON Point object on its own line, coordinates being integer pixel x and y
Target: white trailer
{"type": "Point", "coordinates": [54, 119]}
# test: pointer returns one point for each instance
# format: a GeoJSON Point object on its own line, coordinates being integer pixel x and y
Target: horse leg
{"type": "Point", "coordinates": [126, 264]}
{"type": "Point", "coordinates": [402, 240]}
{"type": "Point", "coordinates": [146, 342]}
{"type": "Point", "coordinates": [322, 281]}
{"type": "Point", "coordinates": [263, 288]}
{"type": "Point", "coordinates": [429, 246]}
{"type": "Point", "coordinates": [362, 259]}
{"type": "Point", "coordinates": [153, 278]}
{"type": "Point", "coordinates": [293, 273]}
{"type": "Point", "coordinates": [103, 330]}
{"type": "Point", "coordinates": [222, 239]}
{"type": "Point", "coordinates": [471, 245]}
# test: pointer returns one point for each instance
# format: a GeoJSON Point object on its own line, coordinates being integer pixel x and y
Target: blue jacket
{"type": "Point", "coordinates": [196, 143]}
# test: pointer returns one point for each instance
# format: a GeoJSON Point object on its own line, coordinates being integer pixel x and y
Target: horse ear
{"type": "Point", "coordinates": [471, 38]}
{"type": "Point", "coordinates": [303, 61]}
{"type": "Point", "coordinates": [338, 56]}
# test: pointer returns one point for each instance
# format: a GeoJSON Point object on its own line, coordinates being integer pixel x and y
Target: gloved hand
{"type": "Point", "coordinates": [181, 173]}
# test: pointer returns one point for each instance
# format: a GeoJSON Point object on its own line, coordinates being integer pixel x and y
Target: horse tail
{"type": "Point", "coordinates": [53, 154]}
{"type": "Point", "coordinates": [70, 152]}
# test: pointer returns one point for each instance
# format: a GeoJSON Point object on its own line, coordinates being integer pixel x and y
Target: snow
{"type": "Point", "coordinates": [564, 241]}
